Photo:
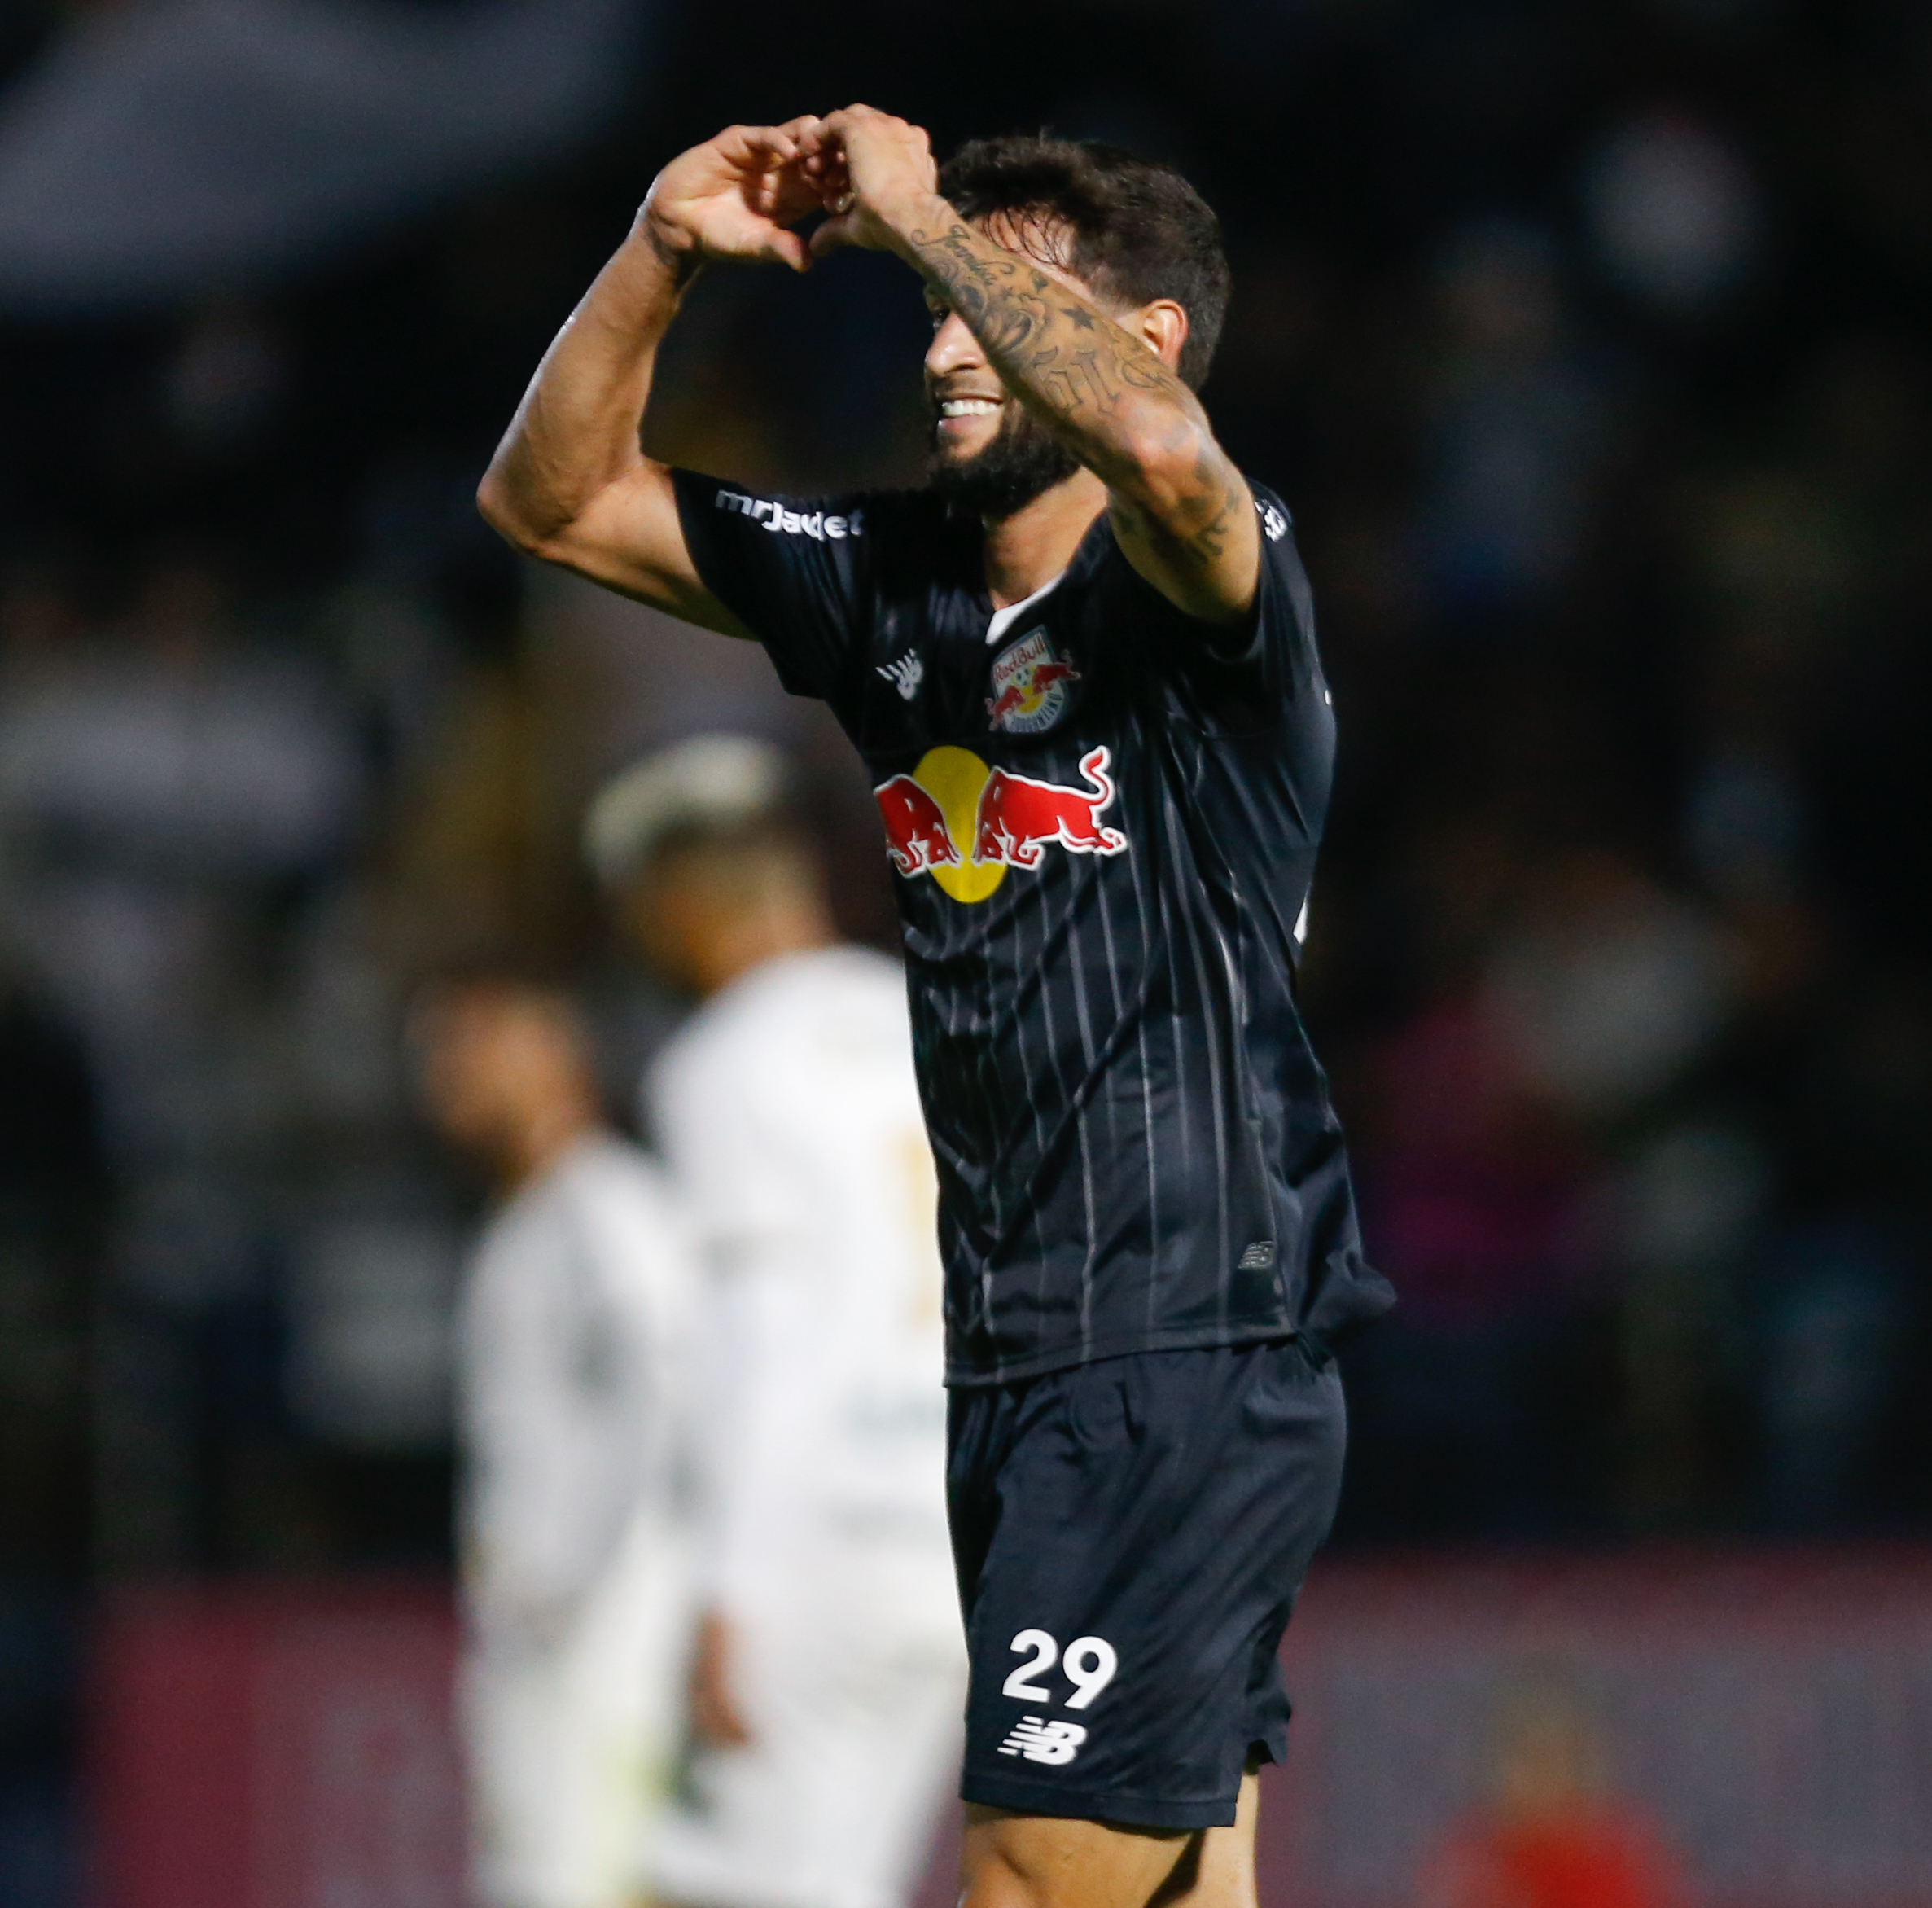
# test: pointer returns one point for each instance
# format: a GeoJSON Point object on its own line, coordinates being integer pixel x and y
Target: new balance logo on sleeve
{"type": "Point", "coordinates": [1040, 1741]}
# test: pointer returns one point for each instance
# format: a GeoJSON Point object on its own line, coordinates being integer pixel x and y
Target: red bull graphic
{"type": "Point", "coordinates": [1029, 685]}
{"type": "Point", "coordinates": [917, 836]}
{"type": "Point", "coordinates": [1019, 817]}
{"type": "Point", "coordinates": [1010, 820]}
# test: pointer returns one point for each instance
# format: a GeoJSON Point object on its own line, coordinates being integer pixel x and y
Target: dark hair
{"type": "Point", "coordinates": [1136, 230]}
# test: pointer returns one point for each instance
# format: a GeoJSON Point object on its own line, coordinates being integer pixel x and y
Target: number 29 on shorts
{"type": "Point", "coordinates": [1089, 1665]}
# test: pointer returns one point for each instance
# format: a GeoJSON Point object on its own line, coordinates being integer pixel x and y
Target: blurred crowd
{"type": "Point", "coordinates": [1590, 347]}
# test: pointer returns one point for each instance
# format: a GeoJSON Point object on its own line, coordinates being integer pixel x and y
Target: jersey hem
{"type": "Point", "coordinates": [1103, 1805]}
{"type": "Point", "coordinates": [1236, 1331]}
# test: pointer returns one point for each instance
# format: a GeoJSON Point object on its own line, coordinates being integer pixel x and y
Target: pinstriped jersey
{"type": "Point", "coordinates": [1103, 818]}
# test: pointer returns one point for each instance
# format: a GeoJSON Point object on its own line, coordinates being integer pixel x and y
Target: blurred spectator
{"type": "Point", "coordinates": [1575, 993]}
{"type": "Point", "coordinates": [828, 1683]}
{"type": "Point", "coordinates": [1554, 1833]}
{"type": "Point", "coordinates": [1674, 212]}
{"type": "Point", "coordinates": [1518, 422]}
{"type": "Point", "coordinates": [1605, 987]}
{"type": "Point", "coordinates": [156, 777]}
{"type": "Point", "coordinates": [574, 1348]}
{"type": "Point", "coordinates": [1474, 1176]}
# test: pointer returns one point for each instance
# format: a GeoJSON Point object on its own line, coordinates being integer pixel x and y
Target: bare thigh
{"type": "Point", "coordinates": [1012, 1861]}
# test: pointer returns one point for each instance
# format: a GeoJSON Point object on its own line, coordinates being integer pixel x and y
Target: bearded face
{"type": "Point", "coordinates": [1002, 474]}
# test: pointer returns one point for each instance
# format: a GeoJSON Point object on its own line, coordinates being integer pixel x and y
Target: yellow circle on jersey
{"type": "Point", "coordinates": [954, 777]}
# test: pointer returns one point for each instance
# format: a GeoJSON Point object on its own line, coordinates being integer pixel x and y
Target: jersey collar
{"type": "Point", "coordinates": [1003, 620]}
{"type": "Point", "coordinates": [1099, 533]}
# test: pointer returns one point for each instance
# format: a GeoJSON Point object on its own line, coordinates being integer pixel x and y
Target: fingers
{"type": "Point", "coordinates": [771, 158]}
{"type": "Point", "coordinates": [835, 233]}
{"type": "Point", "coordinates": [837, 127]}
{"type": "Point", "coordinates": [763, 149]}
{"type": "Point", "coordinates": [806, 131]}
{"type": "Point", "coordinates": [756, 149]}
{"type": "Point", "coordinates": [788, 247]}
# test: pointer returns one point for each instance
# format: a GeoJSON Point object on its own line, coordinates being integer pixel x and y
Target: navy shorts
{"type": "Point", "coordinates": [1130, 1536]}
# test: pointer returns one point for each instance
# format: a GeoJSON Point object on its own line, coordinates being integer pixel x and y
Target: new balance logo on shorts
{"type": "Point", "coordinates": [1040, 1741]}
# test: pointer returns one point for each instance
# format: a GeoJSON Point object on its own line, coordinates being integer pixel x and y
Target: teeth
{"type": "Point", "coordinates": [968, 407]}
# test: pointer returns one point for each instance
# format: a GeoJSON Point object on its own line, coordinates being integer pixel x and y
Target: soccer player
{"type": "Point", "coordinates": [828, 1673]}
{"type": "Point", "coordinates": [1080, 666]}
{"type": "Point", "coordinates": [574, 1335]}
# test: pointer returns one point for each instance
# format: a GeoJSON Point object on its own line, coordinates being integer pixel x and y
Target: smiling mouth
{"type": "Point", "coordinates": [968, 407]}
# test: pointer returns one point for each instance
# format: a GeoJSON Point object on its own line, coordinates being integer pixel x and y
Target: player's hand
{"type": "Point", "coordinates": [876, 173]}
{"type": "Point", "coordinates": [716, 1720]}
{"type": "Point", "coordinates": [738, 196]}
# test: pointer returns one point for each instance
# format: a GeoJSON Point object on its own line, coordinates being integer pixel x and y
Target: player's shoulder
{"type": "Point", "coordinates": [607, 1173]}
{"type": "Point", "coordinates": [600, 1179]}
{"type": "Point", "coordinates": [777, 1023]}
{"type": "Point", "coordinates": [793, 998]}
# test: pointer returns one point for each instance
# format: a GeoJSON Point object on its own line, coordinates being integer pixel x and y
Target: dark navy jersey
{"type": "Point", "coordinates": [1102, 817]}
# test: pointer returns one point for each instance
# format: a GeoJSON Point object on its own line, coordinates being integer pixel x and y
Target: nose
{"type": "Point", "coordinates": [953, 348]}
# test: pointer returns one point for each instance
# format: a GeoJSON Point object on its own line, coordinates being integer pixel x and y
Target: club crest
{"type": "Point", "coordinates": [1029, 685]}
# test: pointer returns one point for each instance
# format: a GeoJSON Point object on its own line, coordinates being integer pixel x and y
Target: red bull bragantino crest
{"type": "Point", "coordinates": [1029, 686]}
{"type": "Point", "coordinates": [965, 824]}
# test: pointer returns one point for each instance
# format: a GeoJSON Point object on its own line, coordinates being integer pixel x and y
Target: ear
{"type": "Point", "coordinates": [1162, 327]}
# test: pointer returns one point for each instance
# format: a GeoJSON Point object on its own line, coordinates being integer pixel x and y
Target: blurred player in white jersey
{"type": "Point", "coordinates": [830, 1678]}
{"type": "Point", "coordinates": [575, 1339]}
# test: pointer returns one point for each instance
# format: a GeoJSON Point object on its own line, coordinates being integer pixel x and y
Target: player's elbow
{"type": "Point", "coordinates": [505, 512]}
{"type": "Point", "coordinates": [516, 519]}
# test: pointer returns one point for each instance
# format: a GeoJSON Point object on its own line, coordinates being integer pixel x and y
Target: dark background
{"type": "Point", "coordinates": [1588, 345]}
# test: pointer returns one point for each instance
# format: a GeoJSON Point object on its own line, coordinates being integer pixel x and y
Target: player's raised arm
{"type": "Point", "coordinates": [570, 482]}
{"type": "Point", "coordinates": [1104, 383]}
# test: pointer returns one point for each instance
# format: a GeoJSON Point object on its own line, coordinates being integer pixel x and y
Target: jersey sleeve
{"type": "Point", "coordinates": [1248, 674]}
{"type": "Point", "coordinates": [793, 571]}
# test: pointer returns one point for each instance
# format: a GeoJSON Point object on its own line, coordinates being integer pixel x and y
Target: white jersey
{"type": "Point", "coordinates": [788, 1112]}
{"type": "Point", "coordinates": [574, 1338]}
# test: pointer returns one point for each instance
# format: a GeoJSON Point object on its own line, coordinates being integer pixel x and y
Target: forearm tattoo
{"type": "Point", "coordinates": [1089, 375]}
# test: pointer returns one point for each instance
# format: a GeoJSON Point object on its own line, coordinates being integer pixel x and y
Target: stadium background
{"type": "Point", "coordinates": [1589, 345]}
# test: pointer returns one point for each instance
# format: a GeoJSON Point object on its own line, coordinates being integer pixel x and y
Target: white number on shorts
{"type": "Point", "coordinates": [1089, 1664]}
{"type": "Point", "coordinates": [1045, 1650]}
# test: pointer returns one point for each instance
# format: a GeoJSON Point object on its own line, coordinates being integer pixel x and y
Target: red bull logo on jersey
{"type": "Point", "coordinates": [965, 824]}
{"type": "Point", "coordinates": [1029, 686]}
{"type": "Point", "coordinates": [918, 837]}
